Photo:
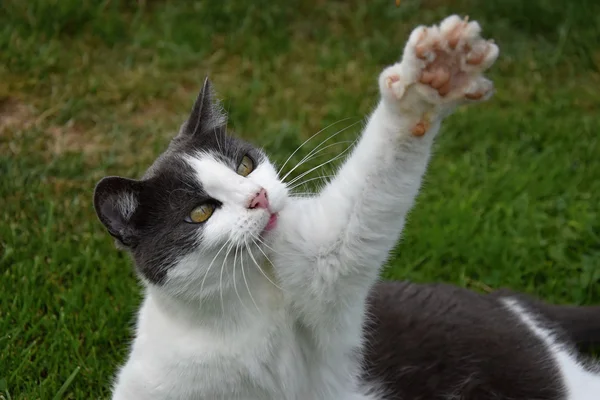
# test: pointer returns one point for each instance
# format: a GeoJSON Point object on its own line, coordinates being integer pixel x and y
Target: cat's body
{"type": "Point", "coordinates": [440, 341]}
{"type": "Point", "coordinates": [267, 356]}
{"type": "Point", "coordinates": [421, 342]}
{"type": "Point", "coordinates": [252, 294]}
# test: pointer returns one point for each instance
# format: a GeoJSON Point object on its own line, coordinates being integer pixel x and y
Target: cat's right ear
{"type": "Point", "coordinates": [116, 200]}
{"type": "Point", "coordinates": [207, 113]}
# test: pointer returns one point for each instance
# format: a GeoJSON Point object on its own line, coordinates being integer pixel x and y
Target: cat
{"type": "Point", "coordinates": [252, 293]}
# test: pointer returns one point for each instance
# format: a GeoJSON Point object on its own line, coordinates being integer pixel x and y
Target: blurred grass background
{"type": "Point", "coordinates": [90, 88]}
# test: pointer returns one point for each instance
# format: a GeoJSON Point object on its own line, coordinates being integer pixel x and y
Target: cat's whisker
{"type": "Point", "coordinates": [317, 147]}
{"type": "Point", "coordinates": [308, 140]}
{"type": "Point", "coordinates": [234, 280]}
{"type": "Point", "coordinates": [312, 191]}
{"type": "Point", "coordinates": [244, 276]}
{"type": "Point", "coordinates": [221, 276]}
{"type": "Point", "coordinates": [340, 155]}
{"type": "Point", "coordinates": [268, 259]}
{"type": "Point", "coordinates": [322, 177]}
{"type": "Point", "coordinates": [211, 264]}
{"type": "Point", "coordinates": [260, 269]}
{"type": "Point", "coordinates": [267, 246]}
{"type": "Point", "coordinates": [303, 194]}
{"type": "Point", "coordinates": [314, 152]}
{"type": "Point", "coordinates": [302, 175]}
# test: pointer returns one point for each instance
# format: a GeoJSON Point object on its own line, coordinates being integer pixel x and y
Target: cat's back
{"type": "Point", "coordinates": [439, 341]}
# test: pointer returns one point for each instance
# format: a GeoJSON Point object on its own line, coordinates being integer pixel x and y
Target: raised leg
{"type": "Point", "coordinates": [335, 243]}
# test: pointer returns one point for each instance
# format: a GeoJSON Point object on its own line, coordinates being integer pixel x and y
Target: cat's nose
{"type": "Point", "coordinates": [260, 200]}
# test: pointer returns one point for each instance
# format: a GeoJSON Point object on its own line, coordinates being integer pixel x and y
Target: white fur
{"type": "Point", "coordinates": [580, 382]}
{"type": "Point", "coordinates": [279, 316]}
{"type": "Point", "coordinates": [127, 204]}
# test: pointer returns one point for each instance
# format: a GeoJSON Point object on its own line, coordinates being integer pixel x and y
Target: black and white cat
{"type": "Point", "coordinates": [253, 294]}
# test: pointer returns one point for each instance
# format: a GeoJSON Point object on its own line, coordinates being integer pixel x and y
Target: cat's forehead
{"type": "Point", "coordinates": [226, 148]}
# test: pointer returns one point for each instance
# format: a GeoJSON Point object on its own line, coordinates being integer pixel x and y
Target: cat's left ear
{"type": "Point", "coordinates": [116, 200]}
{"type": "Point", "coordinates": [207, 113]}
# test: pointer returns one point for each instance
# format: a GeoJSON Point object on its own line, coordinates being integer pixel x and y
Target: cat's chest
{"type": "Point", "coordinates": [264, 361]}
{"type": "Point", "coordinates": [268, 356]}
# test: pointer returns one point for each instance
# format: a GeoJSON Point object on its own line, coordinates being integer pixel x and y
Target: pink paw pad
{"type": "Point", "coordinates": [455, 56]}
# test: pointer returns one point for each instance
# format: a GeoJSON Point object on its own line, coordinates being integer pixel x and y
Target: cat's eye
{"type": "Point", "coordinates": [201, 213]}
{"type": "Point", "coordinates": [246, 166]}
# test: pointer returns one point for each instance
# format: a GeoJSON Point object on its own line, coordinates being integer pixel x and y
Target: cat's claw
{"type": "Point", "coordinates": [444, 64]}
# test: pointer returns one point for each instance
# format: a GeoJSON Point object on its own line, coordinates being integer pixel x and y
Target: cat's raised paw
{"type": "Point", "coordinates": [444, 64]}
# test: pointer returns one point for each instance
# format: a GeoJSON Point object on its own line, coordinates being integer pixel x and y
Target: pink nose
{"type": "Point", "coordinates": [260, 200]}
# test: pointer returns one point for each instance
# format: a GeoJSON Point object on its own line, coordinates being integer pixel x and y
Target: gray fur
{"type": "Point", "coordinates": [440, 341]}
{"type": "Point", "coordinates": [155, 232]}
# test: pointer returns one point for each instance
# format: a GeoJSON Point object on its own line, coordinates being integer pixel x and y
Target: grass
{"type": "Point", "coordinates": [91, 88]}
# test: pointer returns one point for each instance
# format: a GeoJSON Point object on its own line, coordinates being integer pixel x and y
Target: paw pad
{"type": "Point", "coordinates": [444, 63]}
{"type": "Point", "coordinates": [420, 128]}
{"type": "Point", "coordinates": [454, 57]}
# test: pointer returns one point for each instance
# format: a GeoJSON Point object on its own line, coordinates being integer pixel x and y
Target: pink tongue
{"type": "Point", "coordinates": [272, 222]}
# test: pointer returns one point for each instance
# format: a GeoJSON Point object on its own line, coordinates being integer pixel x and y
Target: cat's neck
{"type": "Point", "coordinates": [231, 308]}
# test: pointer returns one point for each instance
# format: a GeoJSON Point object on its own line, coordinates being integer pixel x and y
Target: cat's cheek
{"type": "Point", "coordinates": [215, 233]}
{"type": "Point", "coordinates": [279, 199]}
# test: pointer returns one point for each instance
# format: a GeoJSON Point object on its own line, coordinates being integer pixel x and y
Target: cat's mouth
{"type": "Point", "coordinates": [272, 223]}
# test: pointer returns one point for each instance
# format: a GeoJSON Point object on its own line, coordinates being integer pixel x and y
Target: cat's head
{"type": "Point", "coordinates": [205, 195]}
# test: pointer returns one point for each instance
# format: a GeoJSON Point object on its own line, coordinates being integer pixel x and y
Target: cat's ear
{"type": "Point", "coordinates": [116, 199]}
{"type": "Point", "coordinates": [207, 113]}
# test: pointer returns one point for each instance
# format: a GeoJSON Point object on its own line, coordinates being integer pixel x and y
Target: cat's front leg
{"type": "Point", "coordinates": [334, 244]}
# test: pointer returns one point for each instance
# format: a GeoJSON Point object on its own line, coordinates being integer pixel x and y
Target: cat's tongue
{"type": "Point", "coordinates": [272, 223]}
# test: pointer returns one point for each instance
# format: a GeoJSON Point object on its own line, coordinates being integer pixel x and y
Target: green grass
{"type": "Point", "coordinates": [91, 88]}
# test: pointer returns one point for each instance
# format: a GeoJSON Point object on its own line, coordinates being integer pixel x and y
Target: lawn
{"type": "Point", "coordinates": [92, 88]}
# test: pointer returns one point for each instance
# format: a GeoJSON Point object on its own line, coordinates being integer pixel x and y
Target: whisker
{"type": "Point", "coordinates": [234, 283]}
{"type": "Point", "coordinates": [308, 140]}
{"type": "Point", "coordinates": [264, 254]}
{"type": "Point", "coordinates": [244, 276]}
{"type": "Point", "coordinates": [314, 152]}
{"type": "Point", "coordinates": [323, 177]}
{"type": "Point", "coordinates": [322, 164]}
{"type": "Point", "coordinates": [260, 269]}
{"type": "Point", "coordinates": [302, 175]}
{"type": "Point", "coordinates": [221, 277]}
{"type": "Point", "coordinates": [267, 246]}
{"type": "Point", "coordinates": [303, 194]}
{"type": "Point", "coordinates": [211, 263]}
{"type": "Point", "coordinates": [320, 144]}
